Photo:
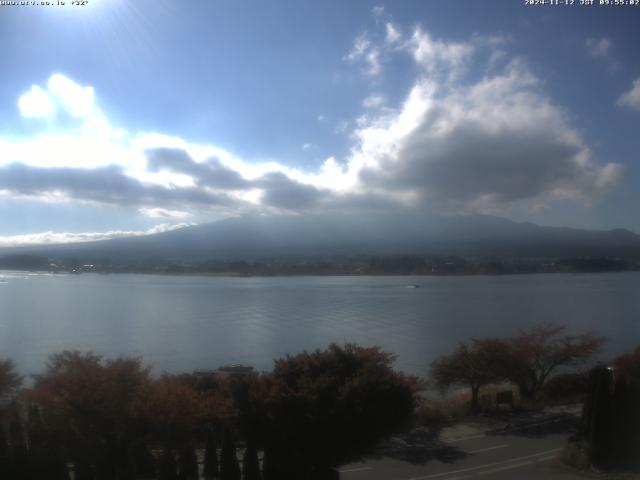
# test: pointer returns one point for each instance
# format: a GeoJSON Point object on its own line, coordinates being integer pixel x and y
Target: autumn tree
{"type": "Point", "coordinates": [328, 407]}
{"type": "Point", "coordinates": [10, 381]}
{"type": "Point", "coordinates": [90, 405]}
{"type": "Point", "coordinates": [173, 410]}
{"type": "Point", "coordinates": [543, 349]}
{"type": "Point", "coordinates": [474, 365]}
{"type": "Point", "coordinates": [628, 367]}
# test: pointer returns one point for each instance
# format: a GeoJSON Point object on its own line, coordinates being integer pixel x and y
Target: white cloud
{"type": "Point", "coordinates": [453, 144]}
{"type": "Point", "coordinates": [373, 101]}
{"type": "Point", "coordinates": [631, 98]}
{"type": "Point", "coordinates": [341, 127]}
{"type": "Point", "coordinates": [51, 238]}
{"type": "Point", "coordinates": [76, 100]}
{"type": "Point", "coordinates": [373, 61]}
{"type": "Point", "coordinates": [174, 215]}
{"type": "Point", "coordinates": [393, 35]}
{"type": "Point", "coordinates": [364, 51]}
{"type": "Point", "coordinates": [437, 56]}
{"type": "Point", "coordinates": [377, 10]}
{"type": "Point", "coordinates": [61, 93]}
{"type": "Point", "coordinates": [479, 146]}
{"type": "Point", "coordinates": [309, 146]}
{"type": "Point", "coordinates": [36, 103]}
{"type": "Point", "coordinates": [360, 46]}
{"type": "Point", "coordinates": [459, 145]}
{"type": "Point", "coordinates": [598, 47]}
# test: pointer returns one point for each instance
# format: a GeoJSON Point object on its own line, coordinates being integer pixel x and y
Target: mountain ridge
{"type": "Point", "coordinates": [251, 237]}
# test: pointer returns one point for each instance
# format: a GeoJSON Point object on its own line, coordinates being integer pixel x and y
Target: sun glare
{"type": "Point", "coordinates": [84, 10]}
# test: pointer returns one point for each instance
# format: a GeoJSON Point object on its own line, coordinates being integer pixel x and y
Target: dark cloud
{"type": "Point", "coordinates": [487, 146]}
{"type": "Point", "coordinates": [469, 164]}
{"type": "Point", "coordinates": [281, 191]}
{"type": "Point", "coordinates": [105, 184]}
{"type": "Point", "coordinates": [210, 173]}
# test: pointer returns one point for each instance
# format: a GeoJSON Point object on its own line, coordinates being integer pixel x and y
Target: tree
{"type": "Point", "coordinates": [536, 353]}
{"type": "Point", "coordinates": [90, 406]}
{"type": "Point", "coordinates": [210, 458]}
{"type": "Point", "coordinates": [229, 468]}
{"type": "Point", "coordinates": [250, 464]}
{"type": "Point", "coordinates": [167, 468]}
{"type": "Point", "coordinates": [188, 464]}
{"type": "Point", "coordinates": [172, 409]}
{"type": "Point", "coordinates": [474, 365]}
{"type": "Point", "coordinates": [10, 381]}
{"type": "Point", "coordinates": [331, 406]}
{"type": "Point", "coordinates": [47, 456]}
{"type": "Point", "coordinates": [628, 367]}
{"type": "Point", "coordinates": [269, 469]}
{"type": "Point", "coordinates": [625, 418]}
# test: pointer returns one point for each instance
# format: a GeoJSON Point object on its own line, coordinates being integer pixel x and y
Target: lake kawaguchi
{"type": "Point", "coordinates": [182, 323]}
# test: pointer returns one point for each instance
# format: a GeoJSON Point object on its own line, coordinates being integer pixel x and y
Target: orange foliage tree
{"type": "Point", "coordinates": [330, 406]}
{"type": "Point", "coordinates": [538, 352]}
{"type": "Point", "coordinates": [474, 365]}
{"type": "Point", "coordinates": [10, 381]}
{"type": "Point", "coordinates": [89, 405]}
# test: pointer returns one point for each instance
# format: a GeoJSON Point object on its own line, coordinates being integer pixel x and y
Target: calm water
{"type": "Point", "coordinates": [182, 323]}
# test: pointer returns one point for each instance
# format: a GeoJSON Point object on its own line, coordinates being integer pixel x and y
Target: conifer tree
{"type": "Point", "coordinates": [211, 468]}
{"type": "Point", "coordinates": [229, 468]}
{"type": "Point", "coordinates": [167, 466]}
{"type": "Point", "coordinates": [188, 464]}
{"type": "Point", "coordinates": [250, 464]}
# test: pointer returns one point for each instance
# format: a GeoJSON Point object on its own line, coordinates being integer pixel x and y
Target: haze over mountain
{"type": "Point", "coordinates": [323, 235]}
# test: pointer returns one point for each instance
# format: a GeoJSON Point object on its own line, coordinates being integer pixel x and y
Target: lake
{"type": "Point", "coordinates": [181, 323]}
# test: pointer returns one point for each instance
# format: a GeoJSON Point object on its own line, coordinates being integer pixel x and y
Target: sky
{"type": "Point", "coordinates": [133, 117]}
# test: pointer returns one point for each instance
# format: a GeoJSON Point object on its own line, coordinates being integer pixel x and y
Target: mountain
{"type": "Point", "coordinates": [322, 235]}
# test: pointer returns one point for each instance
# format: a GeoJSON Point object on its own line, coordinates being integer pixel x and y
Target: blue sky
{"type": "Point", "coordinates": [125, 117]}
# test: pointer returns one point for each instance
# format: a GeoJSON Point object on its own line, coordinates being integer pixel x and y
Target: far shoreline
{"type": "Point", "coordinates": [289, 275]}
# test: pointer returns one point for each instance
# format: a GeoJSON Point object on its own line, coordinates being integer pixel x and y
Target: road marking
{"type": "Point", "coordinates": [358, 469]}
{"type": "Point", "coordinates": [489, 448]}
{"type": "Point", "coordinates": [518, 465]}
{"type": "Point", "coordinates": [508, 467]}
{"type": "Point", "coordinates": [462, 439]}
{"type": "Point", "coordinates": [545, 459]}
{"type": "Point", "coordinates": [480, 467]}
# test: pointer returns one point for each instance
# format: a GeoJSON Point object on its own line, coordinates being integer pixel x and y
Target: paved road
{"type": "Point", "coordinates": [524, 450]}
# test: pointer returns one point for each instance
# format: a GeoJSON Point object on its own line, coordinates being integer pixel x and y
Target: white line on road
{"type": "Point", "coordinates": [462, 439]}
{"type": "Point", "coordinates": [545, 459]}
{"type": "Point", "coordinates": [358, 469]}
{"type": "Point", "coordinates": [508, 467]}
{"type": "Point", "coordinates": [489, 448]}
{"type": "Point", "coordinates": [517, 465]}
{"type": "Point", "coordinates": [480, 467]}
